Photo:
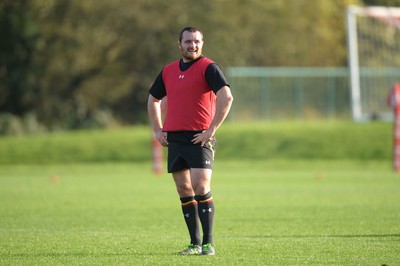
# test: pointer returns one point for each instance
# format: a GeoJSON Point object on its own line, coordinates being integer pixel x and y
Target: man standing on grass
{"type": "Point", "coordinates": [198, 101]}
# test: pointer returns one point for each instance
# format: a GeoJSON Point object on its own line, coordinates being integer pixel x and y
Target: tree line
{"type": "Point", "coordinates": [68, 64]}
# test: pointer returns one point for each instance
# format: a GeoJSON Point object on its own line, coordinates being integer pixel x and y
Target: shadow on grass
{"type": "Point", "coordinates": [317, 236]}
{"type": "Point", "coordinates": [80, 254]}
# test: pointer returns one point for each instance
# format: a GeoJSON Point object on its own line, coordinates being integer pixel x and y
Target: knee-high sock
{"type": "Point", "coordinates": [206, 215]}
{"type": "Point", "coordinates": [190, 213]}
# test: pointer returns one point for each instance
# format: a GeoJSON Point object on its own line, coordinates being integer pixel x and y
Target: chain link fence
{"type": "Point", "coordinates": [268, 93]}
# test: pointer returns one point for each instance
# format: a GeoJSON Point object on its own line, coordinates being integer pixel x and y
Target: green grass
{"type": "Point", "coordinates": [329, 140]}
{"type": "Point", "coordinates": [273, 212]}
{"type": "Point", "coordinates": [286, 193]}
{"type": "Point", "coordinates": [115, 145]}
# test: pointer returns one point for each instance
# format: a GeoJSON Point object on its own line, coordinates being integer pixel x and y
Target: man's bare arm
{"type": "Point", "coordinates": [223, 105]}
{"type": "Point", "coordinates": [155, 119]}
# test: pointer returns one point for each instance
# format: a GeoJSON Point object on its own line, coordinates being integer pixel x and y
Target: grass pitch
{"type": "Point", "coordinates": [267, 213]}
{"type": "Point", "coordinates": [316, 140]}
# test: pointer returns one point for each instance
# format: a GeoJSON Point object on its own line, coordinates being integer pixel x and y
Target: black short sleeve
{"type": "Point", "coordinates": [215, 77]}
{"type": "Point", "coordinates": [157, 90]}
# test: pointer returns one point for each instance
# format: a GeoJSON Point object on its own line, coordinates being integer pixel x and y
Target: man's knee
{"type": "Point", "coordinates": [201, 181]}
{"type": "Point", "coordinates": [184, 190]}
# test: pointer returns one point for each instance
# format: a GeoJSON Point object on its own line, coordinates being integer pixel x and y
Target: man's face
{"type": "Point", "coordinates": [191, 45]}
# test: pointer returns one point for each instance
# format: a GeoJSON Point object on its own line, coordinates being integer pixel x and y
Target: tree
{"type": "Point", "coordinates": [382, 2]}
{"type": "Point", "coordinates": [16, 48]}
{"type": "Point", "coordinates": [85, 63]}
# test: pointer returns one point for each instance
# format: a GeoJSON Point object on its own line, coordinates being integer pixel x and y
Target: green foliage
{"type": "Point", "coordinates": [382, 2]}
{"type": "Point", "coordinates": [14, 125]}
{"type": "Point", "coordinates": [301, 213]}
{"type": "Point", "coordinates": [69, 60]}
{"type": "Point", "coordinates": [17, 31]}
{"type": "Point", "coordinates": [263, 141]}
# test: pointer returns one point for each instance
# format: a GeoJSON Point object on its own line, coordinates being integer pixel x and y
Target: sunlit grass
{"type": "Point", "coordinates": [272, 213]}
{"type": "Point", "coordinates": [317, 140]}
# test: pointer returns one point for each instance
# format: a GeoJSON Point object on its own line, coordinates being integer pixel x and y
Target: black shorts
{"type": "Point", "coordinates": [183, 154]}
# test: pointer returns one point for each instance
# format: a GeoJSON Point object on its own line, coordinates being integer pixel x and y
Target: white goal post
{"type": "Point", "coordinates": [373, 41]}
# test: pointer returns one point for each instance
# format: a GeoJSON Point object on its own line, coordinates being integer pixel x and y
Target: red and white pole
{"type": "Point", "coordinates": [394, 102]}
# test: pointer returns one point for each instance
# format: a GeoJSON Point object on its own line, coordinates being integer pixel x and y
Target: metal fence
{"type": "Point", "coordinates": [269, 93]}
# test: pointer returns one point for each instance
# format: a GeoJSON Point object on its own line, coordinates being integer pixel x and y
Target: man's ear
{"type": "Point", "coordinates": [179, 45]}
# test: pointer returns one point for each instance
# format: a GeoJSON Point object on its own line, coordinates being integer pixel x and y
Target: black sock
{"type": "Point", "coordinates": [206, 215]}
{"type": "Point", "coordinates": [189, 209]}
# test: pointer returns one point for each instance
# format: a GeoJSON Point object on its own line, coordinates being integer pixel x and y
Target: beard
{"type": "Point", "coordinates": [191, 55]}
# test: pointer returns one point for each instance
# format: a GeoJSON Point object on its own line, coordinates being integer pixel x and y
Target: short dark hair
{"type": "Point", "coordinates": [189, 29]}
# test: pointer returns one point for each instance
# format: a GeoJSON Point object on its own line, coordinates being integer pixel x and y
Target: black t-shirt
{"type": "Point", "coordinates": [214, 77]}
